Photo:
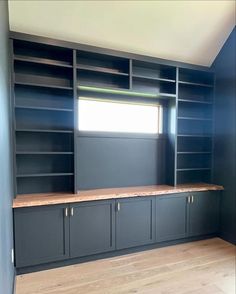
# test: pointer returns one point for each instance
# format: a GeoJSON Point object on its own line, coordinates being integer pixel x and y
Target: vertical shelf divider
{"type": "Point", "coordinates": [76, 105]}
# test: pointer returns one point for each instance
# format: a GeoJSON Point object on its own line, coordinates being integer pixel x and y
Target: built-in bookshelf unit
{"type": "Point", "coordinates": [43, 103]}
{"type": "Point", "coordinates": [195, 126]}
{"type": "Point", "coordinates": [48, 78]}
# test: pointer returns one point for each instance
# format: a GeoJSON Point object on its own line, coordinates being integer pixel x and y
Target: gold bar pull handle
{"type": "Point", "coordinates": [192, 199]}
{"type": "Point", "coordinates": [118, 206]}
{"type": "Point", "coordinates": [72, 211]}
{"type": "Point", "coordinates": [66, 211]}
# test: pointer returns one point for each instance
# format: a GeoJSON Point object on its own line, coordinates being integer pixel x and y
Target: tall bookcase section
{"type": "Point", "coordinates": [43, 106]}
{"type": "Point", "coordinates": [159, 80]}
{"type": "Point", "coordinates": [195, 126]}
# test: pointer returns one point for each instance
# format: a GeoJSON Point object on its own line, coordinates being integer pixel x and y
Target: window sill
{"type": "Point", "coordinates": [93, 134]}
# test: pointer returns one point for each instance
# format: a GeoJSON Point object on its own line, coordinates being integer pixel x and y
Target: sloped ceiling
{"type": "Point", "coordinates": [188, 31]}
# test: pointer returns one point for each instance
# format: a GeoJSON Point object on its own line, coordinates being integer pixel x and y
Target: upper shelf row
{"type": "Point", "coordinates": [47, 66]}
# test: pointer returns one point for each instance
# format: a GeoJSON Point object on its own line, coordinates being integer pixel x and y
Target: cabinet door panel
{"type": "Point", "coordinates": [171, 217]}
{"type": "Point", "coordinates": [135, 222]}
{"type": "Point", "coordinates": [204, 213]}
{"type": "Point", "coordinates": [92, 228]}
{"type": "Point", "coordinates": [41, 235]}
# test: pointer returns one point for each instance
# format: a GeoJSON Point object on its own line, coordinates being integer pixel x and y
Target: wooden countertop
{"type": "Point", "coordinates": [29, 200]}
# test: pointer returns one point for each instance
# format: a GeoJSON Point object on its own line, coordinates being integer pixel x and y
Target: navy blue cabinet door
{"type": "Point", "coordinates": [204, 213]}
{"type": "Point", "coordinates": [171, 217]}
{"type": "Point", "coordinates": [92, 228]}
{"type": "Point", "coordinates": [41, 235]}
{"type": "Point", "coordinates": [135, 222]}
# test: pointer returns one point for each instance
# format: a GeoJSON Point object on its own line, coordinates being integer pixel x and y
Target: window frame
{"type": "Point", "coordinates": [131, 135]}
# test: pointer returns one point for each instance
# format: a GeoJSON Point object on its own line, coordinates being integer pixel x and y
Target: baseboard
{"type": "Point", "coordinates": [68, 262]}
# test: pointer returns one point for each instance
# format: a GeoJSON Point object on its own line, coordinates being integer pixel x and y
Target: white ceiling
{"type": "Point", "coordinates": [188, 31]}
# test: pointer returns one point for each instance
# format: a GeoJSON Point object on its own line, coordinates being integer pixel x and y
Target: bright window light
{"type": "Point", "coordinates": [113, 116]}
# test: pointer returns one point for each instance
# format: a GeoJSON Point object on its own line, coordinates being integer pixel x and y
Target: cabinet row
{"type": "Point", "coordinates": [60, 232]}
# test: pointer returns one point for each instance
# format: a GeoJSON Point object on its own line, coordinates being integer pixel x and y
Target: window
{"type": "Point", "coordinates": [112, 116]}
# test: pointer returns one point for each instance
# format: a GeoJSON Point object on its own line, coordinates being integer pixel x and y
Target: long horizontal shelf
{"type": "Point", "coordinates": [125, 92]}
{"type": "Point", "coordinates": [194, 118]}
{"type": "Point", "coordinates": [42, 61]}
{"type": "Point", "coordinates": [43, 153]}
{"type": "Point", "coordinates": [43, 131]}
{"type": "Point", "coordinates": [153, 78]}
{"type": "Point", "coordinates": [193, 169]}
{"type": "Point", "coordinates": [43, 85]}
{"type": "Point", "coordinates": [45, 175]}
{"type": "Point", "coordinates": [43, 108]}
{"type": "Point", "coordinates": [192, 135]}
{"type": "Point", "coordinates": [194, 152]}
{"type": "Point", "coordinates": [195, 101]}
{"type": "Point", "coordinates": [101, 70]}
{"type": "Point", "coordinates": [196, 84]}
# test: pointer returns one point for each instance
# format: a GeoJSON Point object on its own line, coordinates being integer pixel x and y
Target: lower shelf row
{"type": "Point", "coordinates": [48, 234]}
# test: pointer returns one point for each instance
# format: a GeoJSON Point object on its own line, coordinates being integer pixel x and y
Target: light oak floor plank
{"type": "Point", "coordinates": [202, 267]}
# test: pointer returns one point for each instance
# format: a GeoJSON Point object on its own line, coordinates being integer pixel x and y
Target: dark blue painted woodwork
{"type": "Point", "coordinates": [6, 243]}
{"type": "Point", "coordinates": [225, 134]}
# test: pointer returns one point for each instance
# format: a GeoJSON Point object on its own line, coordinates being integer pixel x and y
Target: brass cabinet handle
{"type": "Point", "coordinates": [189, 199]}
{"type": "Point", "coordinates": [192, 199]}
{"type": "Point", "coordinates": [71, 211]}
{"type": "Point", "coordinates": [66, 211]}
{"type": "Point", "coordinates": [118, 206]}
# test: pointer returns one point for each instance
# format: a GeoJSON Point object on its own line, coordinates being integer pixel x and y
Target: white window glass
{"type": "Point", "coordinates": [110, 116]}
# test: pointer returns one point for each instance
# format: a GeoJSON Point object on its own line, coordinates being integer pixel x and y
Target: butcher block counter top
{"type": "Point", "coordinates": [30, 200]}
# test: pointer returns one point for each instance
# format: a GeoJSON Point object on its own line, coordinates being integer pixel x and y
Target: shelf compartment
{"type": "Point", "coordinates": [43, 142]}
{"type": "Point", "coordinates": [101, 79]}
{"type": "Point", "coordinates": [193, 161]}
{"type": "Point", "coordinates": [195, 94]}
{"type": "Point", "coordinates": [153, 71]}
{"type": "Point", "coordinates": [28, 185]}
{"type": "Point", "coordinates": [100, 69]}
{"type": "Point", "coordinates": [42, 53]}
{"type": "Point", "coordinates": [102, 63]}
{"type": "Point", "coordinates": [39, 164]}
{"type": "Point", "coordinates": [42, 75]}
{"type": "Point", "coordinates": [196, 77]}
{"type": "Point", "coordinates": [153, 86]}
{"type": "Point", "coordinates": [28, 96]}
{"type": "Point", "coordinates": [193, 176]}
{"type": "Point", "coordinates": [194, 111]}
{"type": "Point", "coordinates": [194, 127]}
{"type": "Point", "coordinates": [194, 144]}
{"type": "Point", "coordinates": [43, 119]}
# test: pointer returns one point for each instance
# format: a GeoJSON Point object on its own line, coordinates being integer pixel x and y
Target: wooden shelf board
{"type": "Point", "coordinates": [193, 169]}
{"type": "Point", "coordinates": [43, 85]}
{"type": "Point", "coordinates": [195, 101]}
{"type": "Point", "coordinates": [98, 69]}
{"type": "Point", "coordinates": [190, 135]}
{"type": "Point", "coordinates": [196, 84]}
{"type": "Point", "coordinates": [43, 131]}
{"type": "Point", "coordinates": [44, 175]}
{"type": "Point", "coordinates": [194, 152]}
{"type": "Point", "coordinates": [153, 78]}
{"type": "Point", "coordinates": [44, 61]}
{"type": "Point", "coordinates": [44, 108]}
{"type": "Point", "coordinates": [43, 153]}
{"type": "Point", "coordinates": [194, 118]}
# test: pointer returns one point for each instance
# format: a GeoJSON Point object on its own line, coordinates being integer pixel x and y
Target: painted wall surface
{"type": "Point", "coordinates": [6, 243]}
{"type": "Point", "coordinates": [120, 162]}
{"type": "Point", "coordinates": [225, 134]}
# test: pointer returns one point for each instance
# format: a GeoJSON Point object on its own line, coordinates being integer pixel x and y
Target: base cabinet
{"type": "Point", "coordinates": [134, 222]}
{"type": "Point", "coordinates": [92, 228]}
{"type": "Point", "coordinates": [187, 215]}
{"type": "Point", "coordinates": [204, 212]}
{"type": "Point", "coordinates": [41, 235]}
{"type": "Point", "coordinates": [59, 232]}
{"type": "Point", "coordinates": [171, 217]}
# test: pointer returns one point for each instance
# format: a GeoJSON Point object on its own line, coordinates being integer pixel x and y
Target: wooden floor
{"type": "Point", "coordinates": [202, 267]}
